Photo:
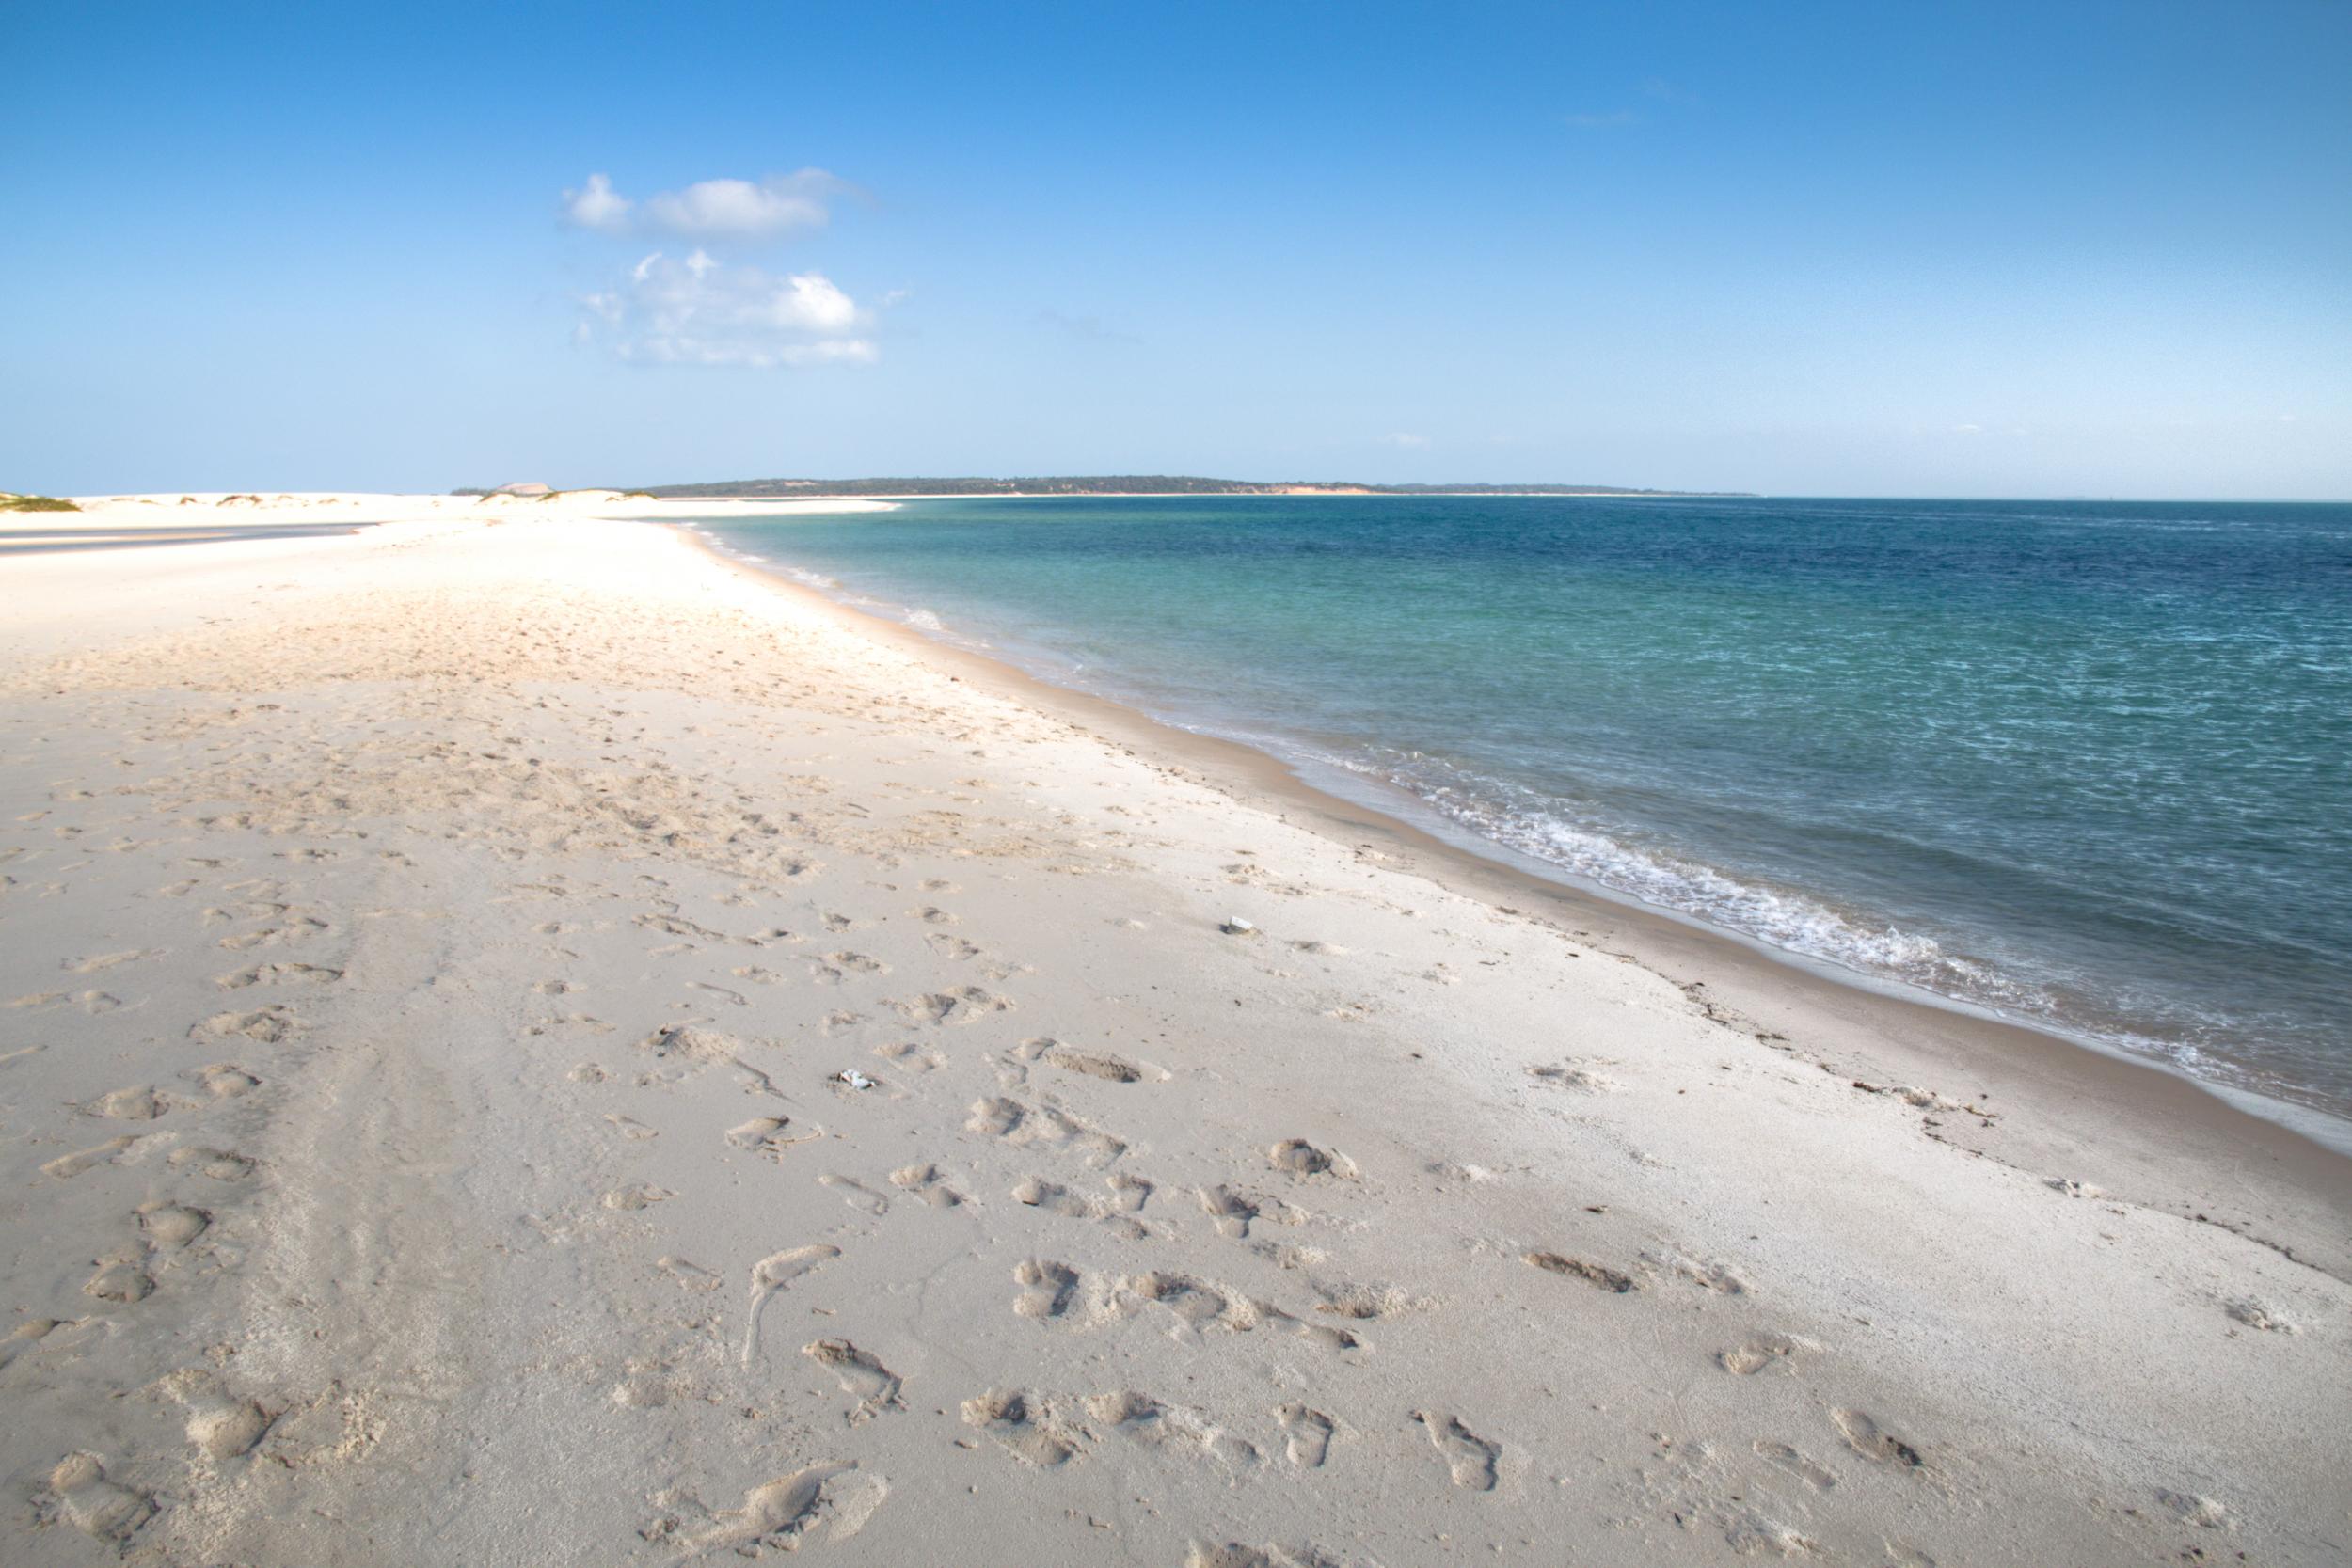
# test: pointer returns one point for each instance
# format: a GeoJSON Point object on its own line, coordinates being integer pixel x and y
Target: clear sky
{"type": "Point", "coordinates": [2055, 248]}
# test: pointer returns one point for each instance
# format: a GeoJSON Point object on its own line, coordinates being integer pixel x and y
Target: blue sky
{"type": "Point", "coordinates": [2044, 249]}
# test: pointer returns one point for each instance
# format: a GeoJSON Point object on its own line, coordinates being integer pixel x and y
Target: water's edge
{"type": "Point", "coordinates": [1399, 807]}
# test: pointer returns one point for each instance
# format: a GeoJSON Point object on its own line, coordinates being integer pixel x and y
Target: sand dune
{"type": "Point", "coordinates": [521, 1044]}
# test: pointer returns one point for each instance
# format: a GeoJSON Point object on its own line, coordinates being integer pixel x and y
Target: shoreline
{"type": "Point", "coordinates": [529, 1019]}
{"type": "Point", "coordinates": [1918, 1036]}
{"type": "Point", "coordinates": [2281, 1077]}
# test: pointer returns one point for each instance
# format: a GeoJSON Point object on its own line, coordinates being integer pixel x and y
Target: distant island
{"type": "Point", "coordinates": [1122, 484]}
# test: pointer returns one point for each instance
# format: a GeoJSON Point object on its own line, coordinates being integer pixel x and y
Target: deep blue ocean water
{"type": "Point", "coordinates": [2086, 764]}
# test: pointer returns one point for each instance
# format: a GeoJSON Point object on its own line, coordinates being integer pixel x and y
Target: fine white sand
{"type": "Point", "coordinates": [427, 958]}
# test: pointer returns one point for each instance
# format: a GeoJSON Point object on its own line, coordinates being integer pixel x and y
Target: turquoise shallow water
{"type": "Point", "coordinates": [2089, 764]}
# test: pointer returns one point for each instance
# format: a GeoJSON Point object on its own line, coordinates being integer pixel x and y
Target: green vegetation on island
{"type": "Point", "coordinates": [13, 502]}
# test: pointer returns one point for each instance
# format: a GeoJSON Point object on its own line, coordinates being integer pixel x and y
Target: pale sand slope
{"type": "Point", "coordinates": [425, 955]}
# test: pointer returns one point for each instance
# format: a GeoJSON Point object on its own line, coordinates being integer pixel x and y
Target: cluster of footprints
{"type": "Point", "coordinates": [1045, 1430]}
{"type": "Point", "coordinates": [1079, 1177]}
{"type": "Point", "coordinates": [162, 1132]}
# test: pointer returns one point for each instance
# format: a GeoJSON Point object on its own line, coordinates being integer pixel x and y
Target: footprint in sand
{"type": "Point", "coordinates": [689, 1275]}
{"type": "Point", "coordinates": [1022, 1426]}
{"type": "Point", "coordinates": [1140, 1418]}
{"type": "Point", "coordinates": [856, 1194]}
{"type": "Point", "coordinates": [1361, 1301]}
{"type": "Point", "coordinates": [956, 1006]}
{"type": "Point", "coordinates": [1718, 1277]}
{"type": "Point", "coordinates": [66, 1166]}
{"type": "Point", "coordinates": [223, 1428]}
{"type": "Point", "coordinates": [1300, 1158]}
{"type": "Point", "coordinates": [924, 1179]}
{"type": "Point", "coordinates": [1577, 1268]}
{"type": "Point", "coordinates": [141, 1104]}
{"type": "Point", "coordinates": [788, 1513]}
{"type": "Point", "coordinates": [1103, 1065]}
{"type": "Point", "coordinates": [912, 1058]}
{"type": "Point", "coordinates": [1128, 1194]}
{"type": "Point", "coordinates": [31, 1332]}
{"type": "Point", "coordinates": [122, 1280]}
{"type": "Point", "coordinates": [1306, 1435]}
{"type": "Point", "coordinates": [1048, 1289]}
{"type": "Point", "coordinates": [1468, 1457]}
{"type": "Point", "coordinates": [1199, 1305]}
{"type": "Point", "coordinates": [267, 1025]}
{"type": "Point", "coordinates": [769, 1136]}
{"type": "Point", "coordinates": [278, 974]}
{"type": "Point", "coordinates": [220, 1425]}
{"type": "Point", "coordinates": [2259, 1314]}
{"type": "Point", "coordinates": [92, 964]}
{"type": "Point", "coordinates": [875, 1385]}
{"type": "Point", "coordinates": [1021, 1125]}
{"type": "Point", "coordinates": [1871, 1441]}
{"type": "Point", "coordinates": [1572, 1075]}
{"type": "Point", "coordinates": [1240, 1554]}
{"type": "Point", "coordinates": [773, 1274]}
{"type": "Point", "coordinates": [221, 1164]}
{"type": "Point", "coordinates": [1233, 1212]}
{"type": "Point", "coordinates": [1794, 1461]}
{"type": "Point", "coordinates": [81, 1494]}
{"type": "Point", "coordinates": [225, 1080]}
{"type": "Point", "coordinates": [2190, 1508]}
{"type": "Point", "coordinates": [274, 936]}
{"type": "Point", "coordinates": [169, 1227]}
{"type": "Point", "coordinates": [1765, 1351]}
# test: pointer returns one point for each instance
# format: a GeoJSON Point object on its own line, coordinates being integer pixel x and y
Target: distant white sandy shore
{"type": "Point", "coordinates": [510, 1018]}
{"type": "Point", "coordinates": [216, 509]}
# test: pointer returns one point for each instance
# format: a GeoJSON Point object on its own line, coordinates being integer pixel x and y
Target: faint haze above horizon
{"type": "Point", "coordinates": [2005, 249]}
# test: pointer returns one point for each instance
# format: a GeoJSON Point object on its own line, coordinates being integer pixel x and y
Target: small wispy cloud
{"type": "Point", "coordinates": [1403, 441]}
{"type": "Point", "coordinates": [699, 311]}
{"type": "Point", "coordinates": [710, 208]}
{"type": "Point", "coordinates": [597, 205]}
{"type": "Point", "coordinates": [1967, 430]}
{"type": "Point", "coordinates": [1656, 88]}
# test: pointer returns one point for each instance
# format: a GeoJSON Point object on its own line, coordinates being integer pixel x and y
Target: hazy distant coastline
{"type": "Point", "coordinates": [1125, 484]}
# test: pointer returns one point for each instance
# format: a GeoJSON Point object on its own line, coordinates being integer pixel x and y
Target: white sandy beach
{"type": "Point", "coordinates": [430, 953]}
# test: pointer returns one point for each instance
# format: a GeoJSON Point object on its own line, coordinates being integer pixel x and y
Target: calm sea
{"type": "Point", "coordinates": [2087, 765]}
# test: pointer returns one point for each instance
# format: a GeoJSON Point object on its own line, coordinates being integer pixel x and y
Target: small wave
{"type": "Point", "coordinates": [926, 620]}
{"type": "Point", "coordinates": [810, 580]}
{"type": "Point", "coordinates": [1545, 829]}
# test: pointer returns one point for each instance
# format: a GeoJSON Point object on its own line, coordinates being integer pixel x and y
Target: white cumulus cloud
{"type": "Point", "coordinates": [710, 208]}
{"type": "Point", "coordinates": [704, 311]}
{"type": "Point", "coordinates": [737, 207]}
{"type": "Point", "coordinates": [597, 205]}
